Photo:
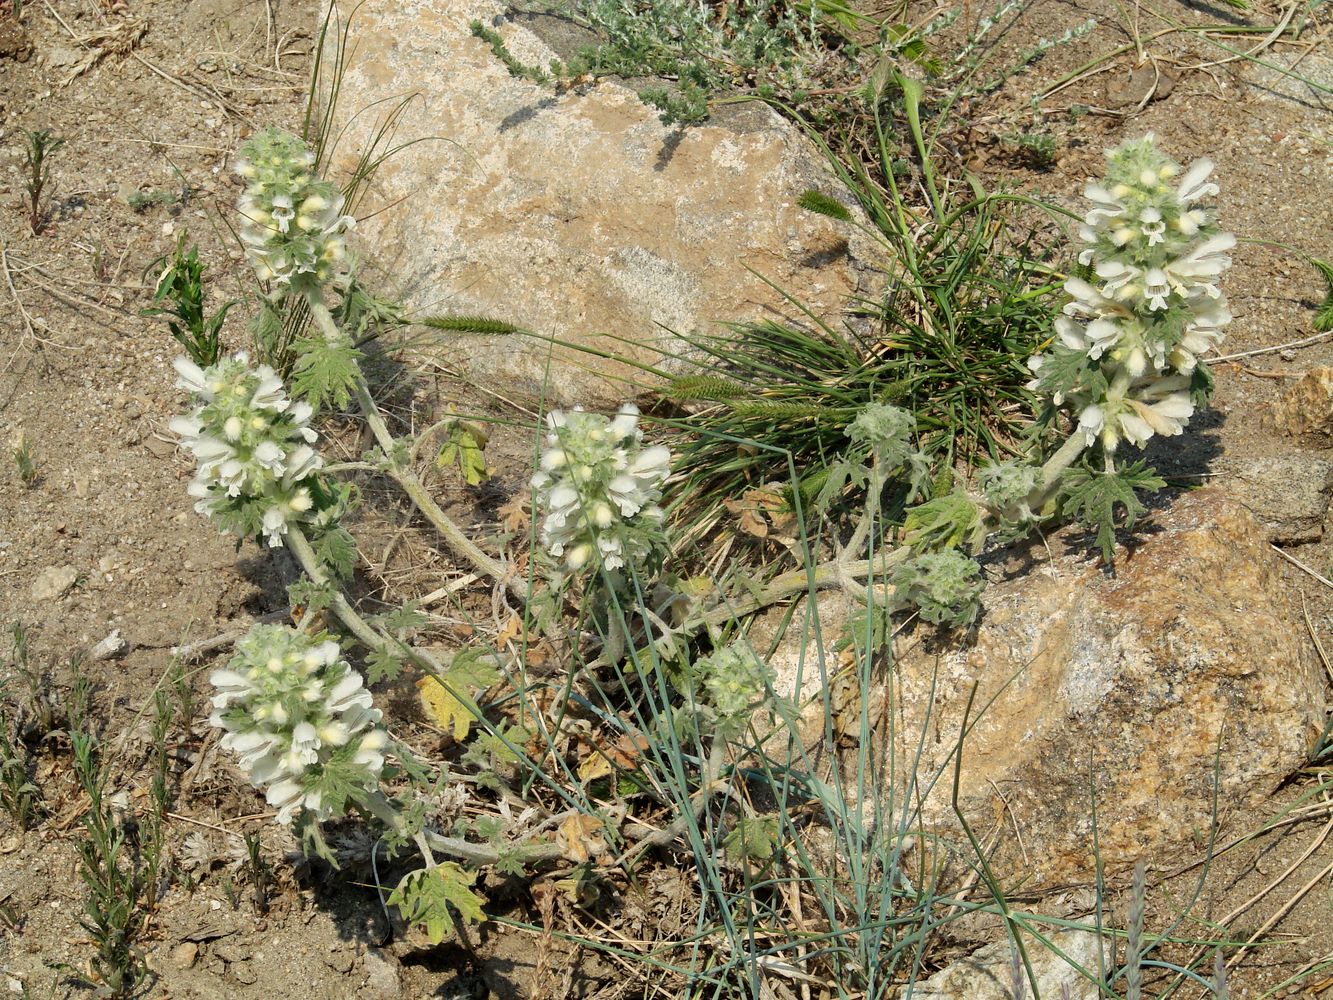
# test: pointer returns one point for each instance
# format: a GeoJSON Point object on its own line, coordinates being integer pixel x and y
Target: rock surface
{"type": "Point", "coordinates": [1120, 685]}
{"type": "Point", "coordinates": [1307, 407]}
{"type": "Point", "coordinates": [989, 974]}
{"type": "Point", "coordinates": [53, 582]}
{"type": "Point", "coordinates": [1134, 687]}
{"type": "Point", "coordinates": [1288, 494]}
{"type": "Point", "coordinates": [576, 215]}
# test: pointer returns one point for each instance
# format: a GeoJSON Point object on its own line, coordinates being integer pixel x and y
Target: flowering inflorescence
{"type": "Point", "coordinates": [600, 487]}
{"type": "Point", "coordinates": [1128, 344]}
{"type": "Point", "coordinates": [256, 468]}
{"type": "Point", "coordinates": [299, 720]}
{"type": "Point", "coordinates": [293, 227]}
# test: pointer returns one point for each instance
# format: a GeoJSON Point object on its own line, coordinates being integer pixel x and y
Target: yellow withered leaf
{"type": "Point", "coordinates": [580, 837]}
{"type": "Point", "coordinates": [443, 709]}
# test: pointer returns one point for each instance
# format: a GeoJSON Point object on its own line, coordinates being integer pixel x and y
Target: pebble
{"type": "Point", "coordinates": [184, 954]}
{"type": "Point", "coordinates": [112, 646]}
{"type": "Point", "coordinates": [339, 961]}
{"type": "Point", "coordinates": [54, 582]}
{"type": "Point", "coordinates": [382, 981]}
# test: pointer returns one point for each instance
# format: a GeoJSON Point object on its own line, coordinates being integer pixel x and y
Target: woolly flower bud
{"type": "Point", "coordinates": [292, 222]}
{"type": "Point", "coordinates": [888, 431]}
{"type": "Point", "coordinates": [1007, 486]}
{"type": "Point", "coordinates": [945, 586]}
{"type": "Point", "coordinates": [299, 720]}
{"type": "Point", "coordinates": [252, 445]}
{"type": "Point", "coordinates": [600, 488]}
{"type": "Point", "coordinates": [734, 678]}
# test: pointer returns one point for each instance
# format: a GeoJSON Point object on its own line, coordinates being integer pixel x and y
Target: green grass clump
{"type": "Point", "coordinates": [968, 295]}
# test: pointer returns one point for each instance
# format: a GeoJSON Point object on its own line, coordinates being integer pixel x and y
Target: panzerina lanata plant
{"type": "Point", "coordinates": [256, 467]}
{"type": "Point", "coordinates": [293, 227]}
{"type": "Point", "coordinates": [1129, 341]}
{"type": "Point", "coordinates": [300, 722]}
{"type": "Point", "coordinates": [600, 488]}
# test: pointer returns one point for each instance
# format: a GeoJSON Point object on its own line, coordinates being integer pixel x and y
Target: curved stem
{"type": "Point", "coordinates": [1055, 466]}
{"type": "Point", "coordinates": [799, 581]}
{"type": "Point", "coordinates": [305, 555]}
{"type": "Point", "coordinates": [406, 479]}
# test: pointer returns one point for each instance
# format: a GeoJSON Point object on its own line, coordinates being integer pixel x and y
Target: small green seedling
{"type": "Point", "coordinates": [181, 284]}
{"type": "Point", "coordinates": [24, 461]}
{"type": "Point", "coordinates": [40, 145]}
{"type": "Point", "coordinates": [19, 795]}
{"type": "Point", "coordinates": [112, 914]}
{"type": "Point", "coordinates": [141, 201]}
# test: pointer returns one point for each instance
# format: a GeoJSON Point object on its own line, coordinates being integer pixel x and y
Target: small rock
{"type": "Point", "coordinates": [1289, 494]}
{"type": "Point", "coordinates": [14, 42]}
{"type": "Point", "coordinates": [183, 956]}
{"type": "Point", "coordinates": [54, 582]}
{"type": "Point", "coordinates": [339, 961]}
{"type": "Point", "coordinates": [1307, 407]}
{"type": "Point", "coordinates": [159, 447]}
{"type": "Point", "coordinates": [988, 974]}
{"type": "Point", "coordinates": [61, 55]}
{"type": "Point", "coordinates": [381, 976]}
{"type": "Point", "coordinates": [112, 646]}
{"type": "Point", "coordinates": [1287, 355]}
{"type": "Point", "coordinates": [244, 973]}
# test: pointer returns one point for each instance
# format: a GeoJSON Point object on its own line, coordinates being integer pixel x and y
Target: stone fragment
{"type": "Point", "coordinates": [54, 582]}
{"type": "Point", "coordinates": [1288, 495]}
{"type": "Point", "coordinates": [1134, 687]}
{"type": "Point", "coordinates": [14, 42]}
{"type": "Point", "coordinates": [989, 973]}
{"type": "Point", "coordinates": [1306, 407]}
{"type": "Point", "coordinates": [381, 972]}
{"type": "Point", "coordinates": [112, 646]}
{"type": "Point", "coordinates": [183, 956]}
{"type": "Point", "coordinates": [340, 960]}
{"type": "Point", "coordinates": [577, 215]}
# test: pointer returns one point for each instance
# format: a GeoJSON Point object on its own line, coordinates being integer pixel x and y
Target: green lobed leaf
{"type": "Point", "coordinates": [1092, 498]}
{"type": "Point", "coordinates": [465, 447]}
{"type": "Point", "coordinates": [383, 664]}
{"type": "Point", "coordinates": [335, 548]}
{"type": "Point", "coordinates": [942, 523]}
{"type": "Point", "coordinates": [753, 838]}
{"type": "Point", "coordinates": [435, 897]}
{"type": "Point", "coordinates": [325, 372]}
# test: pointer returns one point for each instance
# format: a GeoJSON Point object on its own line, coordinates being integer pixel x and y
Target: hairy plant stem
{"type": "Point", "coordinates": [1055, 466]}
{"type": "Point", "coordinates": [406, 479]}
{"type": "Point", "coordinates": [430, 844]}
{"type": "Point", "coordinates": [822, 577]}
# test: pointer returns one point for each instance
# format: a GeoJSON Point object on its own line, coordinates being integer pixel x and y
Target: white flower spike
{"type": "Point", "coordinates": [1156, 308]}
{"type": "Point", "coordinates": [600, 488]}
